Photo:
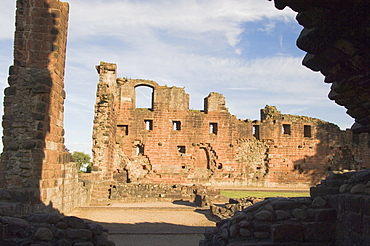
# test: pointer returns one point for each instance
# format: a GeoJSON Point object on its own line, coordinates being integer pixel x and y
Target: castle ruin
{"type": "Point", "coordinates": [170, 143]}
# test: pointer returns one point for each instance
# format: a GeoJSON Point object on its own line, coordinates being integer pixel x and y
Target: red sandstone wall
{"type": "Point", "coordinates": [33, 156]}
{"type": "Point", "coordinates": [234, 154]}
{"type": "Point", "coordinates": [104, 132]}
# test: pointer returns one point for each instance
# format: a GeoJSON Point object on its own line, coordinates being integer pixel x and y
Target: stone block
{"type": "Point", "coordinates": [319, 231]}
{"type": "Point", "coordinates": [365, 205]}
{"type": "Point", "coordinates": [354, 222]}
{"type": "Point", "coordinates": [43, 234]}
{"type": "Point", "coordinates": [79, 233]}
{"type": "Point", "coordinates": [325, 215]}
{"type": "Point", "coordinates": [264, 215]}
{"type": "Point", "coordinates": [366, 224]}
{"type": "Point", "coordinates": [285, 232]}
{"type": "Point", "coordinates": [332, 182]}
{"type": "Point", "coordinates": [323, 191]}
{"type": "Point", "coordinates": [351, 203]}
{"type": "Point", "coordinates": [285, 203]}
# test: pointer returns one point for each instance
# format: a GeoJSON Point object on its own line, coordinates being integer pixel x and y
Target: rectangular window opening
{"type": "Point", "coordinates": [213, 128]}
{"type": "Point", "coordinates": [148, 125]}
{"type": "Point", "coordinates": [123, 129]}
{"type": "Point", "coordinates": [286, 129]}
{"type": "Point", "coordinates": [139, 150]}
{"type": "Point", "coordinates": [307, 131]}
{"type": "Point", "coordinates": [181, 149]}
{"type": "Point", "coordinates": [256, 131]}
{"type": "Point", "coordinates": [176, 125]}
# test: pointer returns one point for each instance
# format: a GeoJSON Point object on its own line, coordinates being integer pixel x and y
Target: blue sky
{"type": "Point", "coordinates": [243, 49]}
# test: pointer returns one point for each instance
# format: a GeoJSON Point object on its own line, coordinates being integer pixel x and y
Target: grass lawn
{"type": "Point", "coordinates": [262, 194]}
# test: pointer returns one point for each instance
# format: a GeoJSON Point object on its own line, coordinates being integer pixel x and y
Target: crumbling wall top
{"type": "Point", "coordinates": [215, 102]}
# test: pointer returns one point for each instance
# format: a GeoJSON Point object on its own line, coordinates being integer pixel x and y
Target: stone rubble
{"type": "Point", "coordinates": [336, 213]}
{"type": "Point", "coordinates": [227, 210]}
{"type": "Point", "coordinates": [51, 229]}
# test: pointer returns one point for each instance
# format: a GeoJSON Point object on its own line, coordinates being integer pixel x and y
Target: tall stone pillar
{"type": "Point", "coordinates": [104, 131]}
{"type": "Point", "coordinates": [33, 155]}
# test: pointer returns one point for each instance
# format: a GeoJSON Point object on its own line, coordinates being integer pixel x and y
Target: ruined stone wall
{"type": "Point", "coordinates": [304, 149]}
{"type": "Point", "coordinates": [169, 143]}
{"type": "Point", "coordinates": [105, 130]}
{"type": "Point", "coordinates": [159, 192]}
{"type": "Point", "coordinates": [33, 159]}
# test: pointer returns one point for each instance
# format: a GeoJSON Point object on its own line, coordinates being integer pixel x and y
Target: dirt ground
{"type": "Point", "coordinates": [154, 223]}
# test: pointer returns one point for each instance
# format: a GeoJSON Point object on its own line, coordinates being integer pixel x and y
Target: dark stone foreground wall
{"type": "Point", "coordinates": [337, 213]}
{"type": "Point", "coordinates": [337, 40]}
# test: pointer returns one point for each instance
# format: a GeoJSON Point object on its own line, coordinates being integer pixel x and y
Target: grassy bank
{"type": "Point", "coordinates": [263, 194]}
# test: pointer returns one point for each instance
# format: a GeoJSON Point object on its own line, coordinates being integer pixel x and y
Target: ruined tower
{"type": "Point", "coordinates": [33, 158]}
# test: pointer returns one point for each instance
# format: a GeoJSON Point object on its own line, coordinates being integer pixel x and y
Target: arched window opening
{"type": "Point", "coordinates": [144, 96]}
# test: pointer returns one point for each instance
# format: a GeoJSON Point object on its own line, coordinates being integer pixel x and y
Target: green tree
{"type": "Point", "coordinates": [83, 161]}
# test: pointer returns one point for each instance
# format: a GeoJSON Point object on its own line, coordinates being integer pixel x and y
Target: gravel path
{"type": "Point", "coordinates": [155, 223]}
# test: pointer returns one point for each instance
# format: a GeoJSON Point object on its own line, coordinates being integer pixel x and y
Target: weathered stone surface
{"type": "Point", "coordinates": [43, 234]}
{"type": "Point", "coordinates": [299, 213]}
{"type": "Point", "coordinates": [340, 219]}
{"type": "Point", "coordinates": [225, 233]}
{"type": "Point", "coordinates": [319, 202]}
{"type": "Point", "coordinates": [344, 188]}
{"type": "Point", "coordinates": [244, 232]}
{"type": "Point", "coordinates": [96, 229]}
{"type": "Point", "coordinates": [79, 233]}
{"type": "Point", "coordinates": [319, 232]}
{"type": "Point", "coordinates": [244, 224]}
{"type": "Point", "coordinates": [74, 222]}
{"type": "Point", "coordinates": [282, 215]}
{"type": "Point", "coordinates": [234, 207]}
{"type": "Point", "coordinates": [261, 234]}
{"type": "Point", "coordinates": [325, 215]}
{"type": "Point", "coordinates": [287, 232]}
{"type": "Point", "coordinates": [63, 242]}
{"type": "Point", "coordinates": [33, 112]}
{"type": "Point", "coordinates": [367, 191]}
{"type": "Point", "coordinates": [334, 37]}
{"type": "Point", "coordinates": [358, 188]}
{"type": "Point", "coordinates": [86, 244]}
{"type": "Point", "coordinates": [264, 215]}
{"type": "Point", "coordinates": [233, 230]}
{"type": "Point", "coordinates": [62, 225]}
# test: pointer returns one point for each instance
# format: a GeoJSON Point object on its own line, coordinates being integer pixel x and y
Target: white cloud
{"type": "Point", "coordinates": [7, 19]}
{"type": "Point", "coordinates": [180, 18]}
{"type": "Point", "coordinates": [268, 27]}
